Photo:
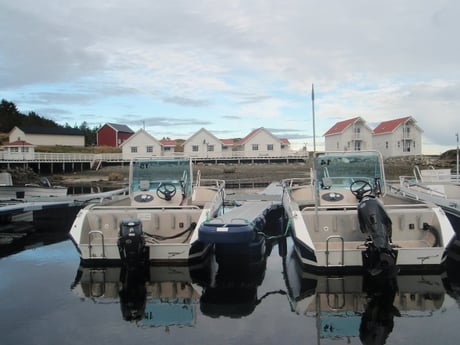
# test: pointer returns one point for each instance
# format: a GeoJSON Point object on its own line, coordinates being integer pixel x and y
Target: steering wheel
{"type": "Point", "coordinates": [166, 190]}
{"type": "Point", "coordinates": [360, 188]}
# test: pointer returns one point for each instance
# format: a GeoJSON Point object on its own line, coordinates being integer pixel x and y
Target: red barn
{"type": "Point", "coordinates": [112, 134]}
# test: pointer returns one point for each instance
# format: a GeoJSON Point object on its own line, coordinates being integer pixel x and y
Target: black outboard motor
{"type": "Point", "coordinates": [133, 295]}
{"type": "Point", "coordinates": [374, 221]}
{"type": "Point", "coordinates": [131, 242]}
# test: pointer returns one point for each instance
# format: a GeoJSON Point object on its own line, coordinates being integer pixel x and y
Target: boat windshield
{"type": "Point", "coordinates": [338, 170]}
{"type": "Point", "coordinates": [149, 174]}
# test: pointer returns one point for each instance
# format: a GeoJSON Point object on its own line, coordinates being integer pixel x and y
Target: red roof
{"type": "Point", "coordinates": [227, 141]}
{"type": "Point", "coordinates": [390, 126]}
{"type": "Point", "coordinates": [284, 140]}
{"type": "Point", "coordinates": [339, 127]}
{"type": "Point", "coordinates": [19, 143]}
{"type": "Point", "coordinates": [249, 136]}
{"type": "Point", "coordinates": [167, 142]}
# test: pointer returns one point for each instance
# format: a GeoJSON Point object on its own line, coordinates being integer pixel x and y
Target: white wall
{"type": "Point", "coordinates": [141, 140]}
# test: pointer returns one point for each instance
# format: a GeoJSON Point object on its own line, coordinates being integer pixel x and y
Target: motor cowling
{"type": "Point", "coordinates": [375, 222]}
{"type": "Point", "coordinates": [131, 241]}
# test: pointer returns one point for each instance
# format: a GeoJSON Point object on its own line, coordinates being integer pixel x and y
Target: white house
{"type": "Point", "coordinates": [261, 143]}
{"type": "Point", "coordinates": [399, 137]}
{"type": "Point", "coordinates": [48, 136]}
{"type": "Point", "coordinates": [349, 135]}
{"type": "Point", "coordinates": [141, 145]}
{"type": "Point", "coordinates": [203, 144]}
{"type": "Point", "coordinates": [18, 150]}
{"type": "Point", "coordinates": [169, 147]}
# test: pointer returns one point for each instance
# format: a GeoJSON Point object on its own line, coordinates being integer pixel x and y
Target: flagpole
{"type": "Point", "coordinates": [313, 115]}
{"type": "Point", "coordinates": [457, 155]}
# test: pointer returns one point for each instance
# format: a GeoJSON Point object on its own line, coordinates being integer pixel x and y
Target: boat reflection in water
{"type": "Point", "coordinates": [150, 296]}
{"type": "Point", "coordinates": [360, 306]}
{"type": "Point", "coordinates": [165, 296]}
{"type": "Point", "coordinates": [232, 288]}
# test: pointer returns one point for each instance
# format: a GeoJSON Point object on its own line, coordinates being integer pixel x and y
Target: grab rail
{"type": "Point", "coordinates": [90, 238]}
{"type": "Point", "coordinates": [327, 248]}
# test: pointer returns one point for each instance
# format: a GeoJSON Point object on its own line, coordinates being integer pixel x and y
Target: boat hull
{"type": "Point", "coordinates": [28, 192]}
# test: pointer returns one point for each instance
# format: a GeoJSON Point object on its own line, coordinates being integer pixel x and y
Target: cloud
{"type": "Point", "coordinates": [254, 61]}
{"type": "Point", "coordinates": [186, 101]}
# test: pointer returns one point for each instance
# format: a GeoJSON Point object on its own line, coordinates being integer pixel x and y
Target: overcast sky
{"type": "Point", "coordinates": [176, 66]}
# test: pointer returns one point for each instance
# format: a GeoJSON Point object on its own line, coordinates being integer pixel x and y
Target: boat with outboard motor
{"type": "Point", "coordinates": [157, 221]}
{"type": "Point", "coordinates": [342, 219]}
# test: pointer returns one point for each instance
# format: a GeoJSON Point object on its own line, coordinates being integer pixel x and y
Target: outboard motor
{"type": "Point", "coordinates": [374, 221]}
{"type": "Point", "coordinates": [131, 242]}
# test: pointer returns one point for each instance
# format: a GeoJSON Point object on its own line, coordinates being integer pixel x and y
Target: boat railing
{"type": "Point", "coordinates": [408, 184]}
{"type": "Point", "coordinates": [162, 207]}
{"type": "Point", "coordinates": [297, 182]}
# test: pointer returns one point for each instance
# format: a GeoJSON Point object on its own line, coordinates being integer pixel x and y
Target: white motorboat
{"type": "Point", "coordinates": [29, 191]}
{"type": "Point", "coordinates": [342, 219]}
{"type": "Point", "coordinates": [157, 221]}
{"type": "Point", "coordinates": [438, 186]}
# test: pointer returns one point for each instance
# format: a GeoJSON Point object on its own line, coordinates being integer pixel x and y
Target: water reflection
{"type": "Point", "coordinates": [150, 296]}
{"type": "Point", "coordinates": [169, 296]}
{"type": "Point", "coordinates": [361, 306]}
{"type": "Point", "coordinates": [21, 241]}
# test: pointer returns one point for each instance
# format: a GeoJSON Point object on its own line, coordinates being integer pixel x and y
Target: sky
{"type": "Point", "coordinates": [174, 67]}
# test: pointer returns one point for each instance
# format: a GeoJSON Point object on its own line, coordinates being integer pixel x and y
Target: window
{"type": "Point", "coordinates": [133, 149]}
{"type": "Point", "coordinates": [399, 144]}
{"type": "Point", "coordinates": [386, 144]}
{"type": "Point", "coordinates": [149, 149]}
{"type": "Point", "coordinates": [269, 147]}
{"type": "Point", "coordinates": [255, 147]}
{"type": "Point", "coordinates": [24, 149]}
{"type": "Point", "coordinates": [14, 149]}
{"type": "Point", "coordinates": [195, 148]}
{"type": "Point", "coordinates": [210, 147]}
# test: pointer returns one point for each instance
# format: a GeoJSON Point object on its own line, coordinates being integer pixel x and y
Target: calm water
{"type": "Point", "coordinates": [47, 298]}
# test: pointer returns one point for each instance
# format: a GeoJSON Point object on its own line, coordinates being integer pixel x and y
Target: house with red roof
{"type": "Point", "coordinates": [18, 150]}
{"type": "Point", "coordinates": [169, 147]}
{"type": "Point", "coordinates": [398, 137]}
{"type": "Point", "coordinates": [262, 143]}
{"type": "Point", "coordinates": [349, 135]}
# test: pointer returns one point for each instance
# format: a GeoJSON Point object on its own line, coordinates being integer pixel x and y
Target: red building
{"type": "Point", "coordinates": [112, 134]}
